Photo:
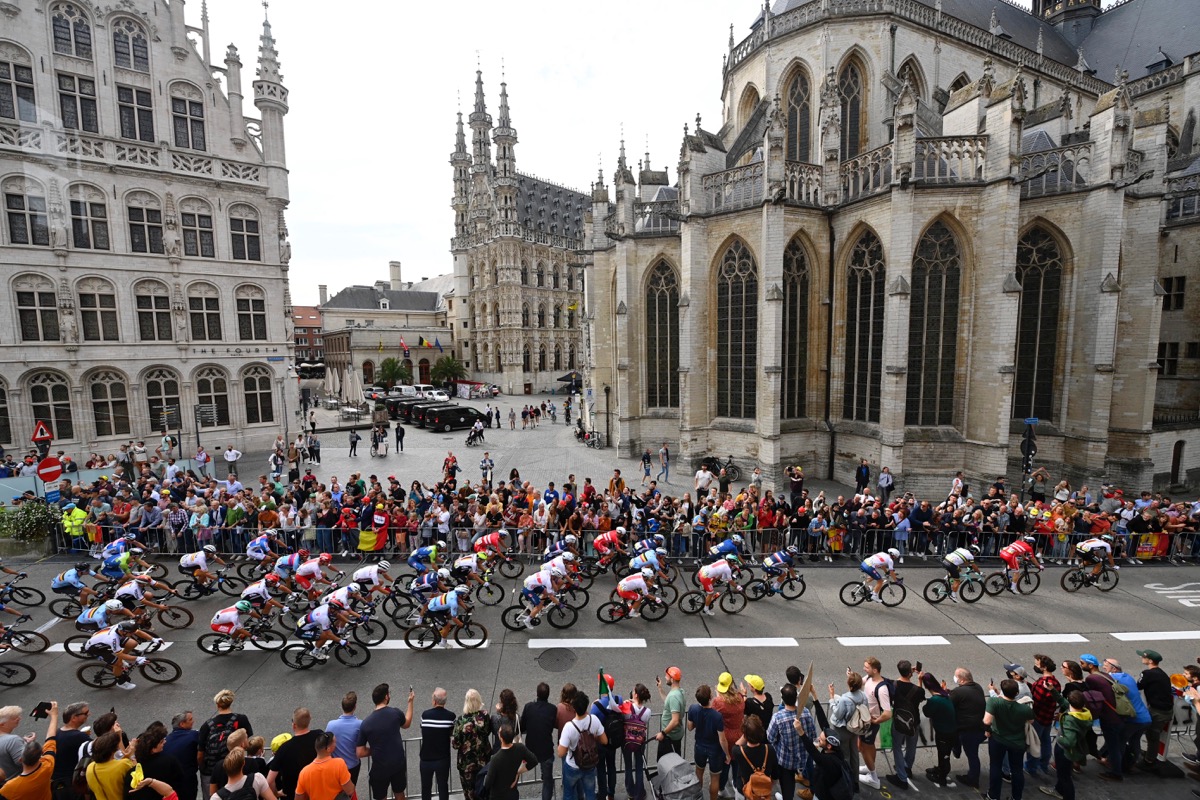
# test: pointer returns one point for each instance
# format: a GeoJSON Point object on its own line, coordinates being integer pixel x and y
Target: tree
{"type": "Point", "coordinates": [447, 368]}
{"type": "Point", "coordinates": [391, 371]}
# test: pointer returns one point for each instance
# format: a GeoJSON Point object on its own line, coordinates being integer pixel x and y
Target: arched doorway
{"type": "Point", "coordinates": [368, 373]}
{"type": "Point", "coordinates": [1177, 463]}
{"type": "Point", "coordinates": [423, 369]}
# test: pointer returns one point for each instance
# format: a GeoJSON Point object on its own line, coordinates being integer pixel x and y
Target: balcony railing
{"type": "Point", "coordinates": [1063, 169]}
{"type": "Point", "coordinates": [658, 217]}
{"type": "Point", "coordinates": [950, 159]}
{"type": "Point", "coordinates": [867, 174]}
{"type": "Point", "coordinates": [739, 187]}
{"type": "Point", "coordinates": [802, 183]}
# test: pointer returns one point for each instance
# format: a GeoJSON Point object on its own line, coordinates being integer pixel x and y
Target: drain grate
{"type": "Point", "coordinates": [557, 659]}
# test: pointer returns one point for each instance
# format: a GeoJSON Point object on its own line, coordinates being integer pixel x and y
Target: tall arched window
{"type": "Point", "coordinates": [50, 400]}
{"type": "Point", "coordinates": [130, 48]}
{"type": "Point", "coordinates": [541, 358]}
{"type": "Point", "coordinates": [524, 315]}
{"type": "Point", "coordinates": [541, 274]}
{"type": "Point", "coordinates": [737, 332]}
{"type": "Point", "coordinates": [798, 96]}
{"type": "Point", "coordinates": [204, 312]}
{"type": "Point", "coordinates": [196, 221]}
{"type": "Point", "coordinates": [556, 319]}
{"type": "Point", "coordinates": [524, 274]}
{"type": "Point", "coordinates": [557, 358]}
{"type": "Point", "coordinates": [244, 233]}
{"type": "Point", "coordinates": [571, 357]}
{"type": "Point", "coordinates": [89, 218]}
{"type": "Point", "coordinates": [526, 359]}
{"type": "Point", "coordinates": [37, 308]}
{"type": "Point", "coordinates": [662, 337]}
{"type": "Point", "coordinates": [251, 313]}
{"type": "Point", "coordinates": [933, 328]}
{"type": "Point", "coordinates": [18, 97]}
{"type": "Point", "coordinates": [212, 388]}
{"type": "Point", "coordinates": [162, 393]}
{"type": "Point", "coordinates": [25, 208]}
{"type": "Point", "coordinates": [98, 310]}
{"type": "Point", "coordinates": [541, 315]}
{"type": "Point", "coordinates": [256, 390]}
{"type": "Point", "coordinates": [910, 73]}
{"type": "Point", "coordinates": [368, 373]}
{"type": "Point", "coordinates": [852, 88]}
{"type": "Point", "coordinates": [72, 31]}
{"type": "Point", "coordinates": [1040, 272]}
{"type": "Point", "coordinates": [110, 404]}
{"type": "Point", "coordinates": [555, 278]}
{"type": "Point", "coordinates": [795, 331]}
{"type": "Point", "coordinates": [5, 420]}
{"type": "Point", "coordinates": [864, 329]}
{"type": "Point", "coordinates": [497, 315]}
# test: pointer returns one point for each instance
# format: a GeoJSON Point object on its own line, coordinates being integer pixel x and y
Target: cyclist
{"type": "Point", "coordinates": [649, 544]}
{"type": "Point", "coordinates": [877, 566]}
{"type": "Point", "coordinates": [954, 562]}
{"type": "Point", "coordinates": [345, 597]}
{"type": "Point", "coordinates": [311, 574]}
{"type": "Point", "coordinates": [566, 544]}
{"type": "Point", "coordinates": [496, 542]}
{"type": "Point", "coordinates": [138, 592]}
{"type": "Point", "coordinates": [375, 577]}
{"type": "Point", "coordinates": [720, 571]}
{"type": "Point", "coordinates": [117, 569]}
{"type": "Point", "coordinates": [1012, 556]}
{"type": "Point", "coordinates": [427, 585]}
{"type": "Point", "coordinates": [70, 583]}
{"type": "Point", "coordinates": [286, 566]}
{"type": "Point", "coordinates": [781, 566]}
{"type": "Point", "coordinates": [120, 545]}
{"type": "Point", "coordinates": [316, 625]}
{"type": "Point", "coordinates": [10, 571]}
{"type": "Point", "coordinates": [259, 548]}
{"type": "Point", "coordinates": [537, 589]}
{"type": "Point", "coordinates": [466, 568]}
{"type": "Point", "coordinates": [733, 546]}
{"type": "Point", "coordinates": [423, 558]}
{"type": "Point", "coordinates": [114, 645]}
{"type": "Point", "coordinates": [196, 565]}
{"type": "Point", "coordinates": [258, 594]}
{"type": "Point", "coordinates": [636, 586]}
{"type": "Point", "coordinates": [229, 620]}
{"type": "Point", "coordinates": [610, 545]}
{"type": "Point", "coordinates": [101, 616]}
{"type": "Point", "coordinates": [655, 560]}
{"type": "Point", "coordinates": [450, 606]}
{"type": "Point", "coordinates": [564, 566]}
{"type": "Point", "coordinates": [1094, 551]}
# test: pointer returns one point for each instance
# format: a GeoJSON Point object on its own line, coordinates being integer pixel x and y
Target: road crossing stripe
{"type": "Point", "coordinates": [58, 648]}
{"type": "Point", "coordinates": [1150, 636]}
{"type": "Point", "coordinates": [1032, 638]}
{"type": "Point", "coordinates": [398, 644]}
{"type": "Point", "coordinates": [891, 641]}
{"type": "Point", "coordinates": [45, 626]}
{"type": "Point", "coordinates": [539, 644]}
{"type": "Point", "coordinates": [739, 642]}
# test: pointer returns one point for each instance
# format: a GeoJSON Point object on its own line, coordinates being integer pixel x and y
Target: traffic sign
{"type": "Point", "coordinates": [49, 469]}
{"type": "Point", "coordinates": [53, 496]}
{"type": "Point", "coordinates": [1031, 420]}
{"type": "Point", "coordinates": [41, 433]}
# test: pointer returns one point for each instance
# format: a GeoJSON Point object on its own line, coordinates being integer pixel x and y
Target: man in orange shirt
{"type": "Point", "coordinates": [37, 765]}
{"type": "Point", "coordinates": [326, 776]}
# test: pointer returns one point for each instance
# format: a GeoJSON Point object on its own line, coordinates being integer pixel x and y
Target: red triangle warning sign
{"type": "Point", "coordinates": [41, 432]}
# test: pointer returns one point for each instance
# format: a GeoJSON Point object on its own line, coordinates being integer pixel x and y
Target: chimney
{"type": "Point", "coordinates": [394, 273]}
{"type": "Point", "coordinates": [423, 279]}
{"type": "Point", "coordinates": [323, 291]}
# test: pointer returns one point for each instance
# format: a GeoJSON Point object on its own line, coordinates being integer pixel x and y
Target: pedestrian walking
{"type": "Point", "coordinates": [354, 440]}
{"type": "Point", "coordinates": [437, 726]}
{"type": "Point", "coordinates": [202, 458]}
{"type": "Point", "coordinates": [314, 449]}
{"type": "Point", "coordinates": [512, 419]}
{"type": "Point", "coordinates": [664, 463]}
{"type": "Point", "coordinates": [312, 421]}
{"type": "Point", "coordinates": [231, 459]}
{"type": "Point", "coordinates": [399, 438]}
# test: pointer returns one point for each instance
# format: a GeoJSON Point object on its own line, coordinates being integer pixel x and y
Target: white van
{"type": "Point", "coordinates": [422, 389]}
{"type": "Point", "coordinates": [402, 391]}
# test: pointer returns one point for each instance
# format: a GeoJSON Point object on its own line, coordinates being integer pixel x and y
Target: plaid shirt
{"type": "Point", "coordinates": [178, 520]}
{"type": "Point", "coordinates": [1045, 706]}
{"type": "Point", "coordinates": [781, 735]}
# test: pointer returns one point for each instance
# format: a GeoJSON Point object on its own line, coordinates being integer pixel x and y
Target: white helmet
{"type": "Point", "coordinates": [737, 538]}
{"type": "Point", "coordinates": [444, 574]}
{"type": "Point", "coordinates": [621, 530]}
{"type": "Point", "coordinates": [570, 538]}
{"type": "Point", "coordinates": [353, 588]}
{"type": "Point", "coordinates": [113, 605]}
{"type": "Point", "coordinates": [210, 549]}
{"type": "Point", "coordinates": [384, 566]}
{"type": "Point", "coordinates": [647, 572]}
{"type": "Point", "coordinates": [503, 533]}
{"type": "Point", "coordinates": [893, 552]}
{"type": "Point", "coordinates": [568, 557]}
{"type": "Point", "coordinates": [557, 571]}
{"type": "Point", "coordinates": [662, 551]}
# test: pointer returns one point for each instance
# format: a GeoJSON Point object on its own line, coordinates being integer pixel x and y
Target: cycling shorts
{"type": "Point", "coordinates": [534, 595]}
{"type": "Point", "coordinates": [304, 582]}
{"type": "Point", "coordinates": [115, 573]}
{"type": "Point", "coordinates": [129, 601]}
{"type": "Point", "coordinates": [1011, 561]}
{"type": "Point", "coordinates": [68, 591]}
{"type": "Point", "coordinates": [628, 594]}
{"type": "Point", "coordinates": [420, 566]}
{"type": "Point", "coordinates": [773, 570]}
{"type": "Point", "coordinates": [602, 548]}
{"type": "Point", "coordinates": [462, 573]}
{"type": "Point", "coordinates": [224, 627]}
{"type": "Point", "coordinates": [951, 568]}
{"type": "Point", "coordinates": [103, 653]}
{"type": "Point", "coordinates": [707, 584]}
{"type": "Point", "coordinates": [256, 555]}
{"type": "Point", "coordinates": [871, 572]}
{"type": "Point", "coordinates": [1091, 556]}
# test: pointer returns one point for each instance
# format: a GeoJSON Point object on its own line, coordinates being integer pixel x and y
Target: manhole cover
{"type": "Point", "coordinates": [557, 659]}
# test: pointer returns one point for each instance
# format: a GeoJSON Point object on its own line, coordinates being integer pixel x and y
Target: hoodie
{"type": "Point", "coordinates": [1073, 739]}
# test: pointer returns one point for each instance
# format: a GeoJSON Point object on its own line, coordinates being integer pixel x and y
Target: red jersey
{"type": "Point", "coordinates": [491, 540]}
{"type": "Point", "coordinates": [1017, 549]}
{"type": "Point", "coordinates": [610, 539]}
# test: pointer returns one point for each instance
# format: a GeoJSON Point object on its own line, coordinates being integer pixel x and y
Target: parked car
{"type": "Point", "coordinates": [448, 418]}
{"type": "Point", "coordinates": [420, 412]}
{"type": "Point", "coordinates": [423, 389]}
{"type": "Point", "coordinates": [374, 393]}
{"type": "Point", "coordinates": [404, 407]}
{"type": "Point", "coordinates": [439, 394]}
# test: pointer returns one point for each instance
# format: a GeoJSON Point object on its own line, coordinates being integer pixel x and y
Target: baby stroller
{"type": "Point", "coordinates": [675, 779]}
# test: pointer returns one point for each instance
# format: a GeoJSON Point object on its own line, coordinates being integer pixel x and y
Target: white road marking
{"type": "Point", "coordinates": [740, 642]}
{"type": "Point", "coordinates": [1150, 636]}
{"type": "Point", "coordinates": [58, 648]}
{"type": "Point", "coordinates": [539, 644]}
{"type": "Point", "coordinates": [890, 641]}
{"type": "Point", "coordinates": [45, 626]}
{"type": "Point", "coordinates": [1032, 638]}
{"type": "Point", "coordinates": [398, 644]}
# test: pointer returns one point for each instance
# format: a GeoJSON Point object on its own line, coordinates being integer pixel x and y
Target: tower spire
{"type": "Point", "coordinates": [271, 99]}
{"type": "Point", "coordinates": [503, 121]}
{"type": "Point", "coordinates": [480, 105]}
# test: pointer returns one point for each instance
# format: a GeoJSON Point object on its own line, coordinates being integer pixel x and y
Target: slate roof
{"type": "Point", "coordinates": [368, 297]}
{"type": "Point", "coordinates": [549, 208]}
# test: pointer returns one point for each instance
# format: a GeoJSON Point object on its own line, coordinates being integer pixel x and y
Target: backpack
{"type": "Point", "coordinates": [245, 793]}
{"type": "Point", "coordinates": [587, 756]}
{"type": "Point", "coordinates": [79, 784]}
{"type": "Point", "coordinates": [215, 747]}
{"type": "Point", "coordinates": [904, 713]}
{"type": "Point", "coordinates": [1122, 704]}
{"type": "Point", "coordinates": [635, 729]}
{"type": "Point", "coordinates": [859, 723]}
{"type": "Point", "coordinates": [758, 785]}
{"type": "Point", "coordinates": [614, 724]}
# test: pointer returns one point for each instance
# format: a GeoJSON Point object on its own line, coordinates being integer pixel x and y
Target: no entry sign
{"type": "Point", "coordinates": [49, 469]}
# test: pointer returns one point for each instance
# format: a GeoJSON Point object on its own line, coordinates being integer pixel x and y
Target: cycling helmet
{"type": "Point", "coordinates": [440, 545]}
{"type": "Point", "coordinates": [1030, 540]}
{"type": "Point", "coordinates": [893, 552]}
{"type": "Point", "coordinates": [210, 549]}
{"type": "Point", "coordinates": [734, 557]}
{"type": "Point", "coordinates": [568, 557]}
{"type": "Point", "coordinates": [570, 538]}
{"type": "Point", "coordinates": [793, 550]}
{"type": "Point", "coordinates": [243, 606]}
{"type": "Point", "coordinates": [557, 571]}
{"type": "Point", "coordinates": [503, 535]}
{"type": "Point", "coordinates": [662, 551]}
{"type": "Point", "coordinates": [461, 591]}
{"type": "Point", "coordinates": [353, 588]}
{"type": "Point", "coordinates": [737, 538]}
{"type": "Point", "coordinates": [81, 567]}
{"type": "Point", "coordinates": [1107, 537]}
{"type": "Point", "coordinates": [324, 558]}
{"type": "Point", "coordinates": [130, 537]}
{"type": "Point", "coordinates": [621, 530]}
{"type": "Point", "coordinates": [128, 626]}
{"type": "Point", "coordinates": [974, 549]}
{"type": "Point", "coordinates": [137, 551]}
{"type": "Point", "coordinates": [302, 552]}
{"type": "Point", "coordinates": [384, 566]}
{"type": "Point", "coordinates": [444, 574]}
{"type": "Point", "coordinates": [271, 578]}
{"type": "Point", "coordinates": [113, 605]}
{"type": "Point", "coordinates": [658, 537]}
{"type": "Point", "coordinates": [143, 577]}
{"type": "Point", "coordinates": [647, 572]}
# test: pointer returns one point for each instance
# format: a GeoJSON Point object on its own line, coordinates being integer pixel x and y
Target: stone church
{"type": "Point", "coordinates": [917, 224]}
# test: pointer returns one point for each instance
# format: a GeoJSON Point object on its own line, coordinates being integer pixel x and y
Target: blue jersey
{"type": "Point", "coordinates": [649, 559]}
{"type": "Point", "coordinates": [778, 559]}
{"type": "Point", "coordinates": [114, 549]}
{"type": "Point", "coordinates": [726, 548]}
{"type": "Point", "coordinates": [97, 615]}
{"type": "Point", "coordinates": [68, 578]}
{"type": "Point", "coordinates": [287, 564]}
{"type": "Point", "coordinates": [116, 563]}
{"type": "Point", "coordinates": [261, 544]}
{"type": "Point", "coordinates": [428, 553]}
{"type": "Point", "coordinates": [645, 545]}
{"type": "Point", "coordinates": [425, 583]}
{"type": "Point", "coordinates": [554, 551]}
{"type": "Point", "coordinates": [447, 601]}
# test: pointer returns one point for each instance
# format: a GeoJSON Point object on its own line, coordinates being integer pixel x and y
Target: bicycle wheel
{"type": "Point", "coordinates": [893, 594]}
{"type": "Point", "coordinates": [97, 675]}
{"type": "Point", "coordinates": [13, 674]}
{"type": "Point", "coordinates": [26, 596]}
{"type": "Point", "coordinates": [188, 589]}
{"type": "Point", "coordinates": [936, 590]}
{"type": "Point", "coordinates": [297, 656]}
{"type": "Point", "coordinates": [757, 589]}
{"type": "Point", "coordinates": [668, 593]}
{"type": "Point", "coordinates": [792, 588]}
{"type": "Point", "coordinates": [471, 635]}
{"type": "Point", "coordinates": [511, 618]}
{"type": "Point", "coordinates": [28, 642]}
{"type": "Point", "coordinates": [352, 654]}
{"type": "Point", "coordinates": [610, 612]}
{"type": "Point", "coordinates": [562, 616]}
{"type": "Point", "coordinates": [511, 568]}
{"type": "Point", "coordinates": [970, 590]}
{"type": "Point", "coordinates": [215, 644]}
{"type": "Point", "coordinates": [66, 608]}
{"type": "Point", "coordinates": [371, 632]}
{"type": "Point", "coordinates": [691, 602]}
{"type": "Point", "coordinates": [489, 594]}
{"type": "Point", "coordinates": [157, 571]}
{"type": "Point", "coordinates": [250, 571]}
{"type": "Point", "coordinates": [733, 602]}
{"type": "Point", "coordinates": [421, 637]}
{"type": "Point", "coordinates": [590, 566]}
{"type": "Point", "coordinates": [654, 611]}
{"type": "Point", "coordinates": [176, 617]}
{"type": "Point", "coordinates": [995, 583]}
{"type": "Point", "coordinates": [161, 670]}
{"type": "Point", "coordinates": [576, 598]}
{"type": "Point", "coordinates": [853, 593]}
{"type": "Point", "coordinates": [1029, 582]}
{"type": "Point", "coordinates": [268, 640]}
{"type": "Point", "coordinates": [1108, 580]}
{"type": "Point", "coordinates": [231, 586]}
{"type": "Point", "coordinates": [1072, 580]}
{"type": "Point", "coordinates": [733, 472]}
{"type": "Point", "coordinates": [73, 645]}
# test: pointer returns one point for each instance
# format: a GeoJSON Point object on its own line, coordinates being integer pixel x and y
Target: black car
{"type": "Point", "coordinates": [397, 405]}
{"type": "Point", "coordinates": [408, 408]}
{"type": "Point", "coordinates": [448, 418]}
{"type": "Point", "coordinates": [419, 412]}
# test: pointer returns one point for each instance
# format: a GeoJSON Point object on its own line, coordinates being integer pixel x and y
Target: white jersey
{"type": "Point", "coordinates": [198, 560]}
{"type": "Point", "coordinates": [1094, 546]}
{"type": "Point", "coordinates": [468, 562]}
{"type": "Point", "coordinates": [319, 616]}
{"type": "Point", "coordinates": [718, 570]}
{"type": "Point", "coordinates": [543, 579]}
{"type": "Point", "coordinates": [557, 566]}
{"type": "Point", "coordinates": [880, 561]}
{"type": "Point", "coordinates": [368, 575]}
{"type": "Point", "coordinates": [131, 589]}
{"type": "Point", "coordinates": [310, 569]}
{"type": "Point", "coordinates": [226, 616]}
{"type": "Point", "coordinates": [338, 597]}
{"type": "Point", "coordinates": [633, 583]}
{"type": "Point", "coordinates": [108, 637]}
{"type": "Point", "coordinates": [960, 557]}
{"type": "Point", "coordinates": [257, 591]}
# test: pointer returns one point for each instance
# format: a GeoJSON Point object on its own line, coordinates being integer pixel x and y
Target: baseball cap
{"type": "Point", "coordinates": [674, 674]}
{"type": "Point", "coordinates": [1153, 655]}
{"type": "Point", "coordinates": [754, 682]}
{"type": "Point", "coordinates": [1017, 670]}
{"type": "Point", "coordinates": [1088, 658]}
{"type": "Point", "coordinates": [832, 737]}
{"type": "Point", "coordinates": [724, 682]}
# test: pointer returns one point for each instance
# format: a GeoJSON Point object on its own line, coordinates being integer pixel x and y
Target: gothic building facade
{"type": "Point", "coordinates": [516, 260]}
{"type": "Point", "coordinates": [143, 239]}
{"type": "Point", "coordinates": [918, 224]}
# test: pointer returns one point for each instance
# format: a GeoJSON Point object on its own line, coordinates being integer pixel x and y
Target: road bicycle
{"type": "Point", "coordinates": [744, 568]}
{"type": "Point", "coordinates": [559, 614]}
{"type": "Point", "coordinates": [365, 630]}
{"type": "Point", "coordinates": [593, 567]}
{"type": "Point", "coordinates": [1076, 578]}
{"type": "Point", "coordinates": [791, 587]}
{"type": "Point", "coordinates": [970, 587]}
{"type": "Point", "coordinates": [70, 607]}
{"type": "Point", "coordinates": [858, 592]}
{"type": "Point", "coordinates": [191, 589]}
{"type": "Point", "coordinates": [653, 609]}
{"type": "Point", "coordinates": [14, 674]}
{"type": "Point", "coordinates": [715, 465]}
{"type": "Point", "coordinates": [22, 641]}
{"type": "Point", "coordinates": [1028, 580]}
{"type": "Point", "coordinates": [470, 635]}
{"type": "Point", "coordinates": [300, 656]}
{"type": "Point", "coordinates": [733, 599]}
{"type": "Point", "coordinates": [666, 591]}
{"type": "Point", "coordinates": [154, 669]}
{"type": "Point", "coordinates": [262, 636]}
{"type": "Point", "coordinates": [26, 596]}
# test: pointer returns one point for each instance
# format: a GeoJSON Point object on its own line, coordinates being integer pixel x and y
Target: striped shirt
{"type": "Point", "coordinates": [437, 724]}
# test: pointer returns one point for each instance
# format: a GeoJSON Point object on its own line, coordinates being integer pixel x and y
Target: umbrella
{"type": "Point", "coordinates": [332, 384]}
{"type": "Point", "coordinates": [571, 377]}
